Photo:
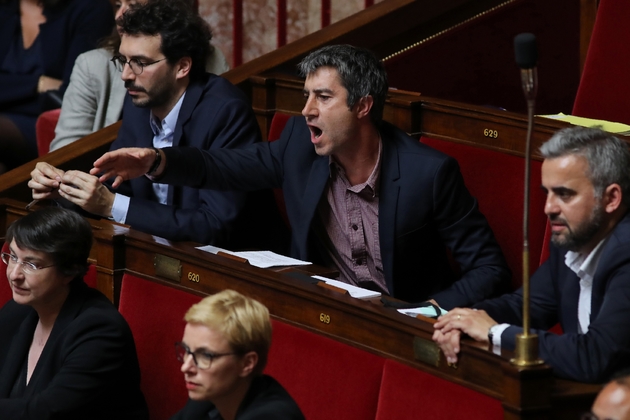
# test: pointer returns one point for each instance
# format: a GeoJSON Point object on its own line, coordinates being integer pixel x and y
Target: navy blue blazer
{"type": "Point", "coordinates": [424, 207]}
{"type": "Point", "coordinates": [88, 368]}
{"type": "Point", "coordinates": [67, 32]}
{"type": "Point", "coordinates": [214, 114]}
{"type": "Point", "coordinates": [555, 290]}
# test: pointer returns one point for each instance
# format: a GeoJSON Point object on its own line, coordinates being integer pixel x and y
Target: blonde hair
{"type": "Point", "coordinates": [243, 321]}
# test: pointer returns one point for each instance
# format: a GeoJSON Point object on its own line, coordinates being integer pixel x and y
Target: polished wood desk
{"type": "Point", "coordinates": [525, 393]}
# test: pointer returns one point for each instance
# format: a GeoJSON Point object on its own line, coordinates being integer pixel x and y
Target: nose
{"type": "Point", "coordinates": [127, 73]}
{"type": "Point", "coordinates": [309, 108]}
{"type": "Point", "coordinates": [188, 365]}
{"type": "Point", "coordinates": [14, 272]}
{"type": "Point", "coordinates": [551, 205]}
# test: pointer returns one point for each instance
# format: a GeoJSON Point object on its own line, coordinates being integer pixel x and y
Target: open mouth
{"type": "Point", "coordinates": [317, 132]}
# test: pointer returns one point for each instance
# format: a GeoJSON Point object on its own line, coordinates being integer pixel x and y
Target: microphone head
{"type": "Point", "coordinates": [525, 50]}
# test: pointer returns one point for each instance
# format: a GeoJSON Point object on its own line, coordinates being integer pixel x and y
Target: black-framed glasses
{"type": "Point", "coordinates": [202, 359]}
{"type": "Point", "coordinates": [137, 66]}
{"type": "Point", "coordinates": [27, 266]}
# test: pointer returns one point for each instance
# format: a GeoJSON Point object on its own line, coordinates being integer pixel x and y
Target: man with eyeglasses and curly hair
{"type": "Point", "coordinates": [171, 101]}
{"type": "Point", "coordinates": [223, 353]}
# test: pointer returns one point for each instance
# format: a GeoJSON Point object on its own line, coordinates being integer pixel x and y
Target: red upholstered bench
{"type": "Point", "coordinates": [155, 314]}
{"type": "Point", "coordinates": [409, 394]}
{"type": "Point", "coordinates": [328, 379]}
{"type": "Point", "coordinates": [496, 180]}
{"type": "Point", "coordinates": [604, 91]}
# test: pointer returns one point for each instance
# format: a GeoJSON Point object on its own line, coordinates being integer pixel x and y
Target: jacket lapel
{"type": "Point", "coordinates": [388, 205]}
{"type": "Point", "coordinates": [17, 352]}
{"type": "Point", "coordinates": [315, 185]}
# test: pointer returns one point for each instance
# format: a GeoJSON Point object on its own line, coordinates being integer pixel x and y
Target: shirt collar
{"type": "Point", "coordinates": [169, 122]}
{"type": "Point", "coordinates": [585, 266]}
{"type": "Point", "coordinates": [372, 181]}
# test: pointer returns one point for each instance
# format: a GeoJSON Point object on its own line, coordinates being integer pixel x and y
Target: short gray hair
{"type": "Point", "coordinates": [361, 73]}
{"type": "Point", "coordinates": [608, 157]}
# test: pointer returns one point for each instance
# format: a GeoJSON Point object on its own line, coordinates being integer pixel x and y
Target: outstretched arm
{"type": "Point", "coordinates": [127, 163]}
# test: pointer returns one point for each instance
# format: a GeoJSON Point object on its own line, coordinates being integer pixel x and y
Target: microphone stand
{"type": "Point", "coordinates": [526, 350]}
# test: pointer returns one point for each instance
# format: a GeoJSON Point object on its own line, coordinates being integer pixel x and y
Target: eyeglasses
{"type": "Point", "coordinates": [136, 65]}
{"type": "Point", "coordinates": [27, 267]}
{"type": "Point", "coordinates": [202, 359]}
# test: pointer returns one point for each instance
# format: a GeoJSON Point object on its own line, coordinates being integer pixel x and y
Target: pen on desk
{"type": "Point", "coordinates": [31, 204]}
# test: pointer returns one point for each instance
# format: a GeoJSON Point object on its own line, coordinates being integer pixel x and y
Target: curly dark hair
{"type": "Point", "coordinates": [184, 33]}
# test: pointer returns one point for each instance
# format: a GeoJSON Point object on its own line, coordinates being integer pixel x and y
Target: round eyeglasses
{"type": "Point", "coordinates": [137, 66]}
{"type": "Point", "coordinates": [202, 359]}
{"type": "Point", "coordinates": [27, 267]}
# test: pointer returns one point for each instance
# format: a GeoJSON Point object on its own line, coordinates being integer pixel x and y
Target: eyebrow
{"type": "Point", "coordinates": [28, 258]}
{"type": "Point", "coordinates": [319, 90]}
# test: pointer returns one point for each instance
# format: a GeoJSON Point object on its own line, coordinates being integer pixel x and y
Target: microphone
{"type": "Point", "coordinates": [526, 54]}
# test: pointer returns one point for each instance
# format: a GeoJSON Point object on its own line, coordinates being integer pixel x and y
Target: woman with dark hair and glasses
{"type": "Point", "coordinates": [41, 39]}
{"type": "Point", "coordinates": [65, 351]}
{"type": "Point", "coordinates": [223, 354]}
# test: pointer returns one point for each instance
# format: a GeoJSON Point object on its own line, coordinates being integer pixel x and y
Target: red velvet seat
{"type": "Point", "coordinates": [5, 290]}
{"type": "Point", "coordinates": [155, 314]}
{"type": "Point", "coordinates": [496, 180]}
{"type": "Point", "coordinates": [604, 91]}
{"type": "Point", "coordinates": [45, 130]}
{"type": "Point", "coordinates": [328, 379]}
{"type": "Point", "coordinates": [410, 394]}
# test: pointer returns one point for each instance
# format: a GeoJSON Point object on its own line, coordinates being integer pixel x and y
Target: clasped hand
{"type": "Point", "coordinates": [449, 327]}
{"type": "Point", "coordinates": [80, 188]}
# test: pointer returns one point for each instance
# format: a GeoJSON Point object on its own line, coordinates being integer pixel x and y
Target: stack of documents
{"type": "Point", "coordinates": [261, 259]}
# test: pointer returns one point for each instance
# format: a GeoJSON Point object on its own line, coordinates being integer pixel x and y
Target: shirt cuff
{"type": "Point", "coordinates": [120, 208]}
{"type": "Point", "coordinates": [496, 331]}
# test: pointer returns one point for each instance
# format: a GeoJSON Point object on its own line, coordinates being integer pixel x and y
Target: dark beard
{"type": "Point", "coordinates": [576, 238]}
{"type": "Point", "coordinates": [160, 94]}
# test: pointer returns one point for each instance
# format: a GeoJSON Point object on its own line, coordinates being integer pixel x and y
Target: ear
{"type": "Point", "coordinates": [612, 198]}
{"type": "Point", "coordinates": [364, 106]}
{"type": "Point", "coordinates": [183, 67]}
{"type": "Point", "coordinates": [250, 361]}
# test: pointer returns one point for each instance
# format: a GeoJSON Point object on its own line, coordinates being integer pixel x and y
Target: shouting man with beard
{"type": "Point", "coordinates": [171, 101]}
{"type": "Point", "coordinates": [585, 283]}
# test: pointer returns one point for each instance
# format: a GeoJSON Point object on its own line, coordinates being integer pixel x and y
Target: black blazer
{"type": "Point", "coordinates": [554, 291]}
{"type": "Point", "coordinates": [87, 370]}
{"type": "Point", "coordinates": [424, 207]}
{"type": "Point", "coordinates": [67, 32]}
{"type": "Point", "coordinates": [266, 399]}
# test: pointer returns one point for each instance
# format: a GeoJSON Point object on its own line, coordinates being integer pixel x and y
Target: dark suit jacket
{"type": "Point", "coordinates": [555, 290]}
{"type": "Point", "coordinates": [214, 115]}
{"type": "Point", "coordinates": [424, 207]}
{"type": "Point", "coordinates": [87, 370]}
{"type": "Point", "coordinates": [266, 399]}
{"type": "Point", "coordinates": [68, 32]}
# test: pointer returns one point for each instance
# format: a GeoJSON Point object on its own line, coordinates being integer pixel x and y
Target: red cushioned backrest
{"type": "Point", "coordinates": [408, 393]}
{"type": "Point", "coordinates": [604, 90]}
{"type": "Point", "coordinates": [544, 254]}
{"type": "Point", "coordinates": [328, 379]}
{"type": "Point", "coordinates": [278, 122]}
{"type": "Point", "coordinates": [496, 180]}
{"type": "Point", "coordinates": [5, 290]}
{"type": "Point", "coordinates": [155, 315]}
{"type": "Point", "coordinates": [45, 130]}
